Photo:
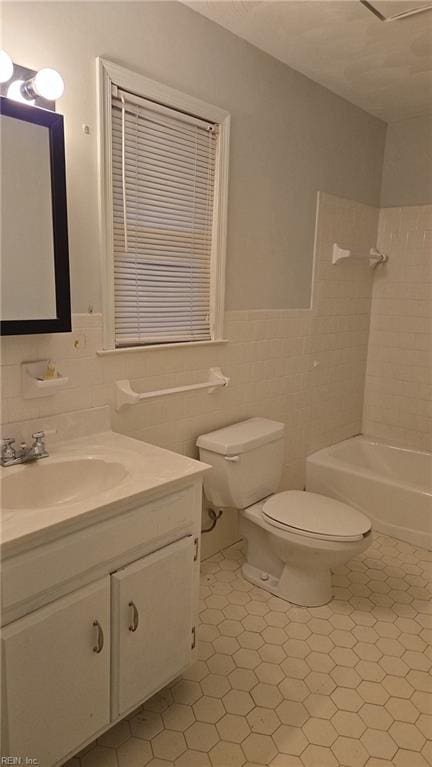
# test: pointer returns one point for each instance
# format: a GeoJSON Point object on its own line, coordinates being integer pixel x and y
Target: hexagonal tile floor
{"type": "Point", "coordinates": [348, 684]}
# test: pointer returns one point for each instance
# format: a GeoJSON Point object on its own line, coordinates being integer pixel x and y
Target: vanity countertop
{"type": "Point", "coordinates": [83, 481]}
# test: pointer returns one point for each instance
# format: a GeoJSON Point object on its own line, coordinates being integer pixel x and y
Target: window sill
{"type": "Point", "coordinates": [159, 347]}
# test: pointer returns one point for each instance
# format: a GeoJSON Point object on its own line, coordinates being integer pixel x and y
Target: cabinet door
{"type": "Point", "coordinates": [151, 623]}
{"type": "Point", "coordinates": [55, 681]}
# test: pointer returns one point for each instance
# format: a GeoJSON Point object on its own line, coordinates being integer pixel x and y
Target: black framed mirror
{"type": "Point", "coordinates": [34, 263]}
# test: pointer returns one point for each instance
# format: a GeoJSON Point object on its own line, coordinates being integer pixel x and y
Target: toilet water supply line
{"type": "Point", "coordinates": [214, 516]}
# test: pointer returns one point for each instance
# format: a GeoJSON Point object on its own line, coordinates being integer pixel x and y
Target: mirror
{"type": "Point", "coordinates": [34, 264]}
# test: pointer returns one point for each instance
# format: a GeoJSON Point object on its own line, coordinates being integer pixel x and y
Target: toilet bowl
{"type": "Point", "coordinates": [294, 538]}
{"type": "Point", "coordinates": [287, 556]}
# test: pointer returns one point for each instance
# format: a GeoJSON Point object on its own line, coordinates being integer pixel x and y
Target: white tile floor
{"type": "Point", "coordinates": [348, 684]}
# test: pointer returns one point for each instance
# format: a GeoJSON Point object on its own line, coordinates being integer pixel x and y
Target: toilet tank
{"type": "Point", "coordinates": [246, 459]}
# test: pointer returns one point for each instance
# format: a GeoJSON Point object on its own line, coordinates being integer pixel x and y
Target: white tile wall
{"type": "Point", "coordinates": [398, 397]}
{"type": "Point", "coordinates": [303, 367]}
{"type": "Point", "coordinates": [337, 343]}
{"type": "Point", "coordinates": [264, 358]}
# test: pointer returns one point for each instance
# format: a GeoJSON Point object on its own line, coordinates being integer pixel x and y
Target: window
{"type": "Point", "coordinates": [164, 177]}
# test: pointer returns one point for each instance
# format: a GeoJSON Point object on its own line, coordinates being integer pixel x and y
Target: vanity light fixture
{"type": "Point", "coordinates": [37, 88]}
{"type": "Point", "coordinates": [15, 92]}
{"type": "Point", "coordinates": [6, 67]}
{"type": "Point", "coordinates": [47, 83]}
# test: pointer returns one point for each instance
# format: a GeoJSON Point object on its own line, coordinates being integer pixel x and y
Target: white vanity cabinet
{"type": "Point", "coordinates": [55, 675]}
{"type": "Point", "coordinates": [152, 602]}
{"type": "Point", "coordinates": [95, 622]}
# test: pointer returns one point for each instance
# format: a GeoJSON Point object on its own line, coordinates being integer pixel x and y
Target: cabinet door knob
{"type": "Point", "coordinates": [100, 639]}
{"type": "Point", "coordinates": [133, 625]}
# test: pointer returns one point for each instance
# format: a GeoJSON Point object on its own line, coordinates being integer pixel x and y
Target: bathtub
{"type": "Point", "coordinates": [392, 486]}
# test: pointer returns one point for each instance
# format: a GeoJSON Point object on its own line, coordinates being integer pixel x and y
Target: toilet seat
{"type": "Point", "coordinates": [315, 516]}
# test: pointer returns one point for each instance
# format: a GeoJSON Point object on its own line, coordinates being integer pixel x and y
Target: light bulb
{"type": "Point", "coordinates": [15, 92]}
{"type": "Point", "coordinates": [48, 84]}
{"type": "Point", "coordinates": [6, 67]}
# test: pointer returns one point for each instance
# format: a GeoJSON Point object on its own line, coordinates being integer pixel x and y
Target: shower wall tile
{"type": "Point", "coordinates": [398, 395]}
{"type": "Point", "coordinates": [337, 344]}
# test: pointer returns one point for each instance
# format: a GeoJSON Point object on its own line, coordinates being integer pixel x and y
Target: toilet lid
{"type": "Point", "coordinates": [316, 515]}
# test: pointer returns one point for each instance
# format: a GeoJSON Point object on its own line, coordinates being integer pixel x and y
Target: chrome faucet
{"type": "Point", "coordinates": [11, 457]}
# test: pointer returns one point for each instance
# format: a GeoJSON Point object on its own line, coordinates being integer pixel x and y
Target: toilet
{"type": "Point", "coordinates": [294, 538]}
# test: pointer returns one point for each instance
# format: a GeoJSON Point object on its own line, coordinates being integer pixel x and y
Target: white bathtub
{"type": "Point", "coordinates": [392, 486]}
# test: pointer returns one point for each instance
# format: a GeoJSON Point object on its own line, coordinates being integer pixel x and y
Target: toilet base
{"type": "Point", "coordinates": [294, 567]}
{"type": "Point", "coordinates": [295, 585]}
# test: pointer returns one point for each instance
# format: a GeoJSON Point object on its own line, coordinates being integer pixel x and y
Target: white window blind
{"type": "Point", "coordinates": [163, 166]}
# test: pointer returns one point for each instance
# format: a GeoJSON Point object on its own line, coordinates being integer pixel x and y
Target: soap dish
{"type": "Point", "coordinates": [32, 383]}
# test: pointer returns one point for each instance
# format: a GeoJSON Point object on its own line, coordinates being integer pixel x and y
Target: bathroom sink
{"type": "Point", "coordinates": [96, 475]}
{"type": "Point", "coordinates": [40, 485]}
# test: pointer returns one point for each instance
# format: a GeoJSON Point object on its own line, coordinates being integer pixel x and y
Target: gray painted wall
{"type": "Point", "coordinates": [290, 136]}
{"type": "Point", "coordinates": [407, 170]}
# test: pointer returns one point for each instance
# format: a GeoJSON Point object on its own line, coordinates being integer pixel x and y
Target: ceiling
{"type": "Point", "coordinates": [383, 67]}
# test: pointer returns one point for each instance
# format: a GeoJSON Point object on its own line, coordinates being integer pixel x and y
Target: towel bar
{"type": "Point", "coordinates": [126, 396]}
